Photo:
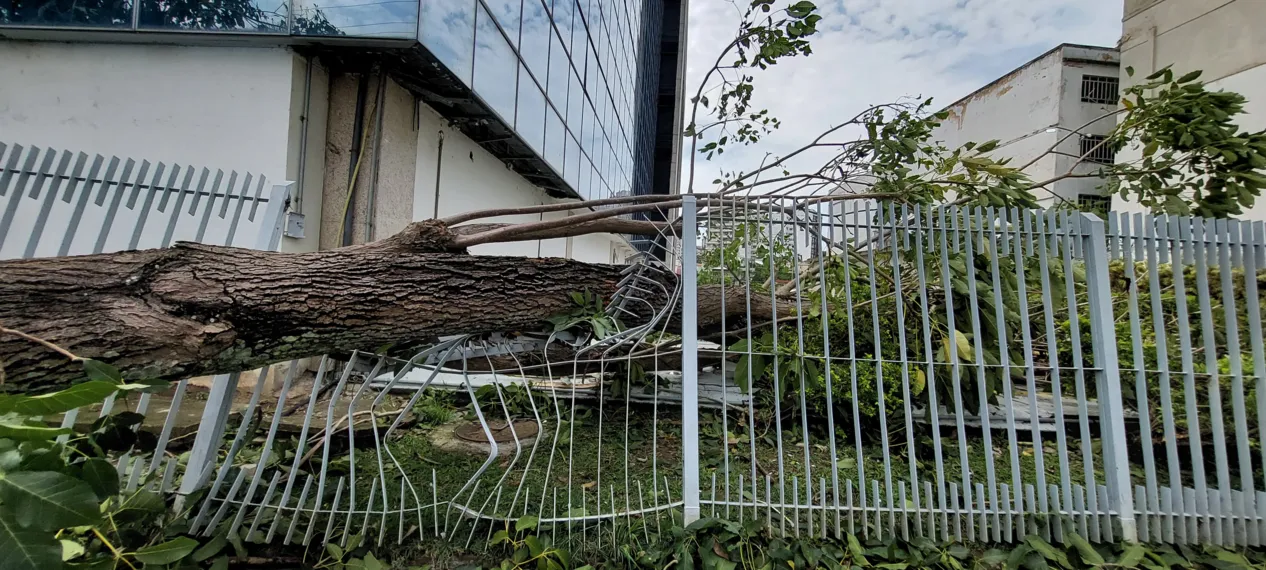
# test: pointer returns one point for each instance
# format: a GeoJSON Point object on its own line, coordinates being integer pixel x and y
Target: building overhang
{"type": "Point", "coordinates": [405, 60]}
{"type": "Point", "coordinates": [416, 69]}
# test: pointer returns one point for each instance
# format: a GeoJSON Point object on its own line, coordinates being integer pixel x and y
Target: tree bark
{"type": "Point", "coordinates": [195, 310]}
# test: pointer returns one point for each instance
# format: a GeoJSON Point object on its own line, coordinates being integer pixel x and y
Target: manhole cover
{"type": "Point", "coordinates": [501, 432]}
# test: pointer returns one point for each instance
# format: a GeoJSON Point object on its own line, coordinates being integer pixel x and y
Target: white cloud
{"type": "Point", "coordinates": [877, 51]}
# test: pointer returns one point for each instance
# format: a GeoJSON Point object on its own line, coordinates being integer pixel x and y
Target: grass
{"type": "Point", "coordinates": [592, 464]}
{"type": "Point", "coordinates": [635, 463]}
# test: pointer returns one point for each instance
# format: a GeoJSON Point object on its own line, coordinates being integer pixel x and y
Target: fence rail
{"type": "Point", "coordinates": [991, 319]}
{"type": "Point", "coordinates": [892, 370]}
{"type": "Point", "coordinates": [68, 203]}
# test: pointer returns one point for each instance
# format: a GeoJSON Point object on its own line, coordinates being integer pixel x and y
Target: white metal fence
{"type": "Point", "coordinates": [981, 374]}
{"type": "Point", "coordinates": [881, 369]}
{"type": "Point", "coordinates": [70, 203]}
{"type": "Point", "coordinates": [56, 203]}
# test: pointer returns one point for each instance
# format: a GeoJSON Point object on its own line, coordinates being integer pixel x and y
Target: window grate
{"type": "Point", "coordinates": [1094, 203]}
{"type": "Point", "coordinates": [1100, 89]}
{"type": "Point", "coordinates": [1093, 149]}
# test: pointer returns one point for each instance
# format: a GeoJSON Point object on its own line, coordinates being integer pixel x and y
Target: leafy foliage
{"type": "Point", "coordinates": [587, 310]}
{"type": "Point", "coordinates": [1195, 160]}
{"type": "Point", "coordinates": [527, 550]}
{"type": "Point", "coordinates": [61, 504]}
{"type": "Point", "coordinates": [716, 544]}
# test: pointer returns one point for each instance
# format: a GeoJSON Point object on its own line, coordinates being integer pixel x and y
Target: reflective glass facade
{"type": "Point", "coordinates": [574, 79]}
{"type": "Point", "coordinates": [563, 73]}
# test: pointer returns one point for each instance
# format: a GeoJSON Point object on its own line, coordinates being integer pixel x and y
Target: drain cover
{"type": "Point", "coordinates": [501, 432]}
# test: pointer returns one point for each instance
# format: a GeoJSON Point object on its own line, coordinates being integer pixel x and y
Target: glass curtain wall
{"type": "Point", "coordinates": [564, 73]}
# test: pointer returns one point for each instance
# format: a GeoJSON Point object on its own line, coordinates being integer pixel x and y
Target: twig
{"type": "Point", "coordinates": [46, 344]}
{"type": "Point", "coordinates": [117, 555]}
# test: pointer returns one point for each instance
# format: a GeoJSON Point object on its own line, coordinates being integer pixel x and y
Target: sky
{"type": "Point", "coordinates": [877, 51]}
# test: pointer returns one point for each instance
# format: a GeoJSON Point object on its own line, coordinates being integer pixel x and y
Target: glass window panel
{"type": "Point", "coordinates": [530, 120]}
{"type": "Point", "coordinates": [595, 182]}
{"type": "Point", "coordinates": [584, 188]}
{"type": "Point", "coordinates": [507, 14]}
{"type": "Point", "coordinates": [448, 31]}
{"type": "Point", "coordinates": [495, 67]}
{"type": "Point", "coordinates": [93, 13]}
{"type": "Point", "coordinates": [595, 136]}
{"type": "Point", "coordinates": [554, 140]}
{"type": "Point", "coordinates": [578, 37]}
{"type": "Point", "coordinates": [591, 70]}
{"type": "Point", "coordinates": [563, 14]}
{"type": "Point", "coordinates": [605, 167]}
{"type": "Point", "coordinates": [558, 73]}
{"type": "Point", "coordinates": [572, 174]}
{"type": "Point", "coordinates": [534, 45]}
{"type": "Point", "coordinates": [575, 103]}
{"type": "Point", "coordinates": [241, 15]}
{"type": "Point", "coordinates": [588, 128]}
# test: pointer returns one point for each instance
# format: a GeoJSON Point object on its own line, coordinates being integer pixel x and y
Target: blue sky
{"type": "Point", "coordinates": [877, 51]}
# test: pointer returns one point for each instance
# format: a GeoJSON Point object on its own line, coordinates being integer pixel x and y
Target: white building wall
{"type": "Point", "coordinates": [1016, 110]}
{"type": "Point", "coordinates": [243, 109]}
{"type": "Point", "coordinates": [472, 179]}
{"type": "Point", "coordinates": [216, 107]}
{"type": "Point", "coordinates": [1088, 118]}
{"type": "Point", "coordinates": [1226, 39]}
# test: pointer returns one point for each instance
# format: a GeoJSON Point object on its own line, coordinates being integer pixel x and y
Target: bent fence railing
{"type": "Point", "coordinates": [850, 366]}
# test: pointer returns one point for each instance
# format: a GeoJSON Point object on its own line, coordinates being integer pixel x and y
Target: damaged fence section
{"type": "Point", "coordinates": [891, 370]}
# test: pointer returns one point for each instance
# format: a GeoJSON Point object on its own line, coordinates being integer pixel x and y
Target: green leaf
{"type": "Point", "coordinates": [1016, 558]}
{"type": "Point", "coordinates": [334, 550]}
{"type": "Point", "coordinates": [48, 500]}
{"type": "Point", "coordinates": [855, 548]}
{"type": "Point", "coordinates": [167, 552]}
{"type": "Point", "coordinates": [71, 549]}
{"type": "Point", "coordinates": [239, 550]}
{"type": "Point", "coordinates": [221, 563]}
{"type": "Point", "coordinates": [58, 402]}
{"type": "Point", "coordinates": [26, 549]}
{"type": "Point", "coordinates": [372, 563]}
{"type": "Point", "coordinates": [213, 547]}
{"type": "Point", "coordinates": [102, 561]}
{"type": "Point", "coordinates": [526, 523]}
{"type": "Point", "coordinates": [992, 557]}
{"type": "Point", "coordinates": [1192, 76]}
{"type": "Point", "coordinates": [97, 370]}
{"type": "Point", "coordinates": [1047, 551]}
{"type": "Point", "coordinates": [1132, 555]}
{"type": "Point", "coordinates": [101, 477]}
{"type": "Point", "coordinates": [20, 431]}
{"type": "Point", "coordinates": [1088, 553]}
{"type": "Point", "coordinates": [965, 349]}
{"type": "Point", "coordinates": [534, 545]}
{"type": "Point", "coordinates": [140, 506]}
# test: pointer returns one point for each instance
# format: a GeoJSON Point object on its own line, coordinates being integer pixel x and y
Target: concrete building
{"type": "Point", "coordinates": [382, 112]}
{"type": "Point", "coordinates": [1036, 106]}
{"type": "Point", "coordinates": [1226, 39]}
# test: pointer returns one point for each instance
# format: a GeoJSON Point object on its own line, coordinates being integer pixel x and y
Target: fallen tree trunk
{"type": "Point", "coordinates": [194, 310]}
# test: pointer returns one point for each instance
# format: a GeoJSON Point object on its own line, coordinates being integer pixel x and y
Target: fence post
{"type": "Point", "coordinates": [215, 416]}
{"type": "Point", "coordinates": [1103, 341]}
{"type": "Point", "coordinates": [274, 219]}
{"type": "Point", "coordinates": [689, 364]}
